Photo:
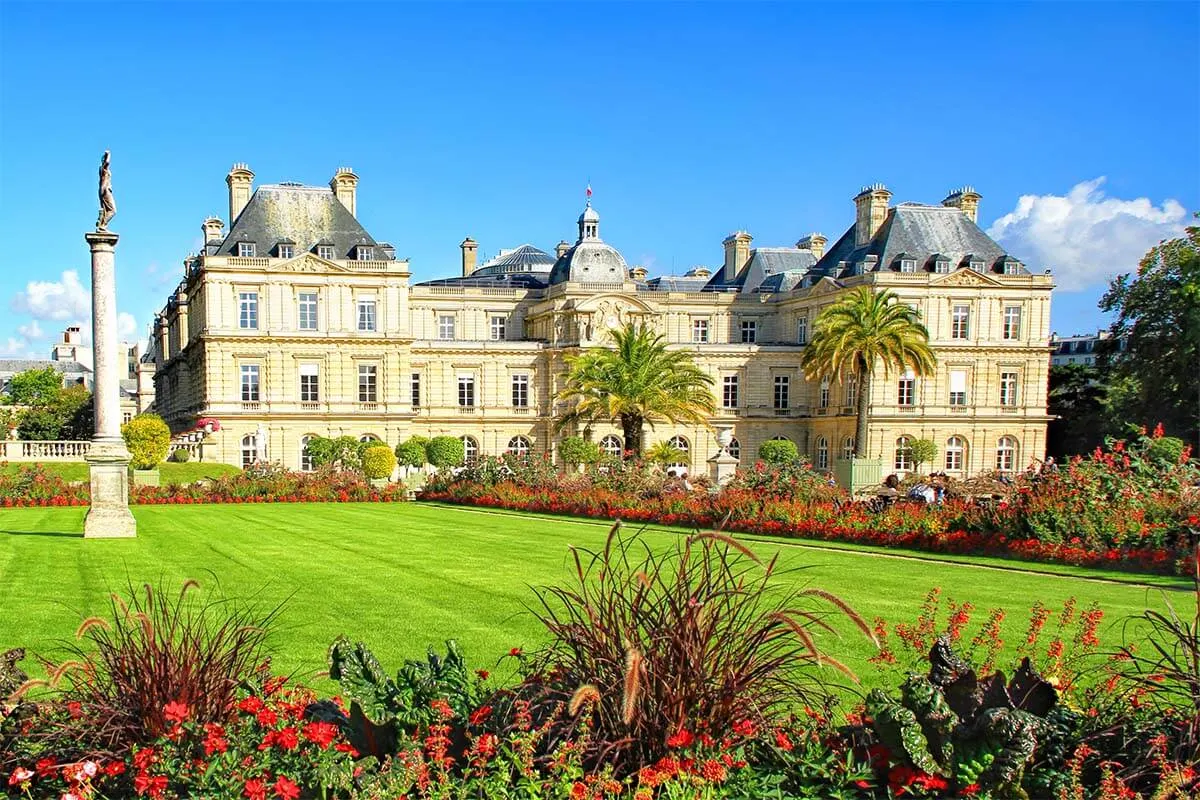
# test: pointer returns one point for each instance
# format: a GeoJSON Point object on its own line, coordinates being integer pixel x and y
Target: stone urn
{"type": "Point", "coordinates": [724, 437]}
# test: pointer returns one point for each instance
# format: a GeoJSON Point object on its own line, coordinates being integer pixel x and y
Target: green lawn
{"type": "Point", "coordinates": [169, 472]}
{"type": "Point", "coordinates": [401, 576]}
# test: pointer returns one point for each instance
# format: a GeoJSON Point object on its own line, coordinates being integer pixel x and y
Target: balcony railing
{"type": "Point", "coordinates": [251, 406]}
{"type": "Point", "coordinates": [467, 409]}
{"type": "Point", "coordinates": [44, 451]}
{"type": "Point", "coordinates": [306, 405]}
{"type": "Point", "coordinates": [368, 407]}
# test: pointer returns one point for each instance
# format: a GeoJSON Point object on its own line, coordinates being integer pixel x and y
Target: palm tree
{"type": "Point", "coordinates": [862, 330]}
{"type": "Point", "coordinates": [639, 381]}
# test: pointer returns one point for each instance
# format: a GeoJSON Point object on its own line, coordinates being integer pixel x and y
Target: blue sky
{"type": "Point", "coordinates": [1079, 124]}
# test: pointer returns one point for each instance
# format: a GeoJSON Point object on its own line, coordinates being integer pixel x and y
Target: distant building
{"type": "Point", "coordinates": [1084, 348]}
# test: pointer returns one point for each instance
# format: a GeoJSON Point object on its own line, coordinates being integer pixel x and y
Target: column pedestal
{"type": "Point", "coordinates": [721, 468]}
{"type": "Point", "coordinates": [109, 517]}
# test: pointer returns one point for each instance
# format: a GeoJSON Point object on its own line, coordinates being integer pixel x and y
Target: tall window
{"type": "Point", "coordinates": [498, 327]}
{"type": "Point", "coordinates": [956, 450]}
{"type": "Point", "coordinates": [519, 446]}
{"type": "Point", "coordinates": [699, 331]}
{"type": "Point", "coordinates": [308, 311]}
{"type": "Point", "coordinates": [249, 450]}
{"type": "Point", "coordinates": [802, 330]}
{"type": "Point", "coordinates": [306, 462]}
{"type": "Point", "coordinates": [366, 314]}
{"type": "Point", "coordinates": [729, 391]}
{"type": "Point", "coordinates": [325, 251]}
{"type": "Point", "coordinates": [1008, 388]}
{"type": "Point", "coordinates": [466, 391]}
{"type": "Point", "coordinates": [822, 453]}
{"type": "Point", "coordinates": [906, 394]}
{"type": "Point", "coordinates": [446, 327]}
{"type": "Point", "coordinates": [958, 387]}
{"type": "Point", "coordinates": [825, 393]}
{"type": "Point", "coordinates": [366, 383]}
{"type": "Point", "coordinates": [749, 331]}
{"type": "Point", "coordinates": [681, 444]}
{"type": "Point", "coordinates": [1012, 322]}
{"type": "Point", "coordinates": [960, 320]}
{"type": "Point", "coordinates": [783, 388]}
{"type": "Point", "coordinates": [248, 309]}
{"type": "Point", "coordinates": [904, 455]}
{"type": "Point", "coordinates": [735, 448]}
{"type": "Point", "coordinates": [1006, 454]}
{"type": "Point", "coordinates": [309, 383]}
{"type": "Point", "coordinates": [414, 384]}
{"type": "Point", "coordinates": [286, 251]}
{"type": "Point", "coordinates": [848, 448]}
{"type": "Point", "coordinates": [246, 249]}
{"type": "Point", "coordinates": [470, 449]}
{"type": "Point", "coordinates": [611, 445]}
{"type": "Point", "coordinates": [851, 391]}
{"type": "Point", "coordinates": [250, 383]}
{"type": "Point", "coordinates": [520, 391]}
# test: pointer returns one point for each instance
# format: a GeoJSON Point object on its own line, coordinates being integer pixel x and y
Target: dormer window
{"type": "Point", "coordinates": [285, 249]}
{"type": "Point", "coordinates": [908, 264]}
{"type": "Point", "coordinates": [245, 249]}
{"type": "Point", "coordinates": [975, 264]}
{"type": "Point", "coordinates": [941, 264]}
{"type": "Point", "coordinates": [1010, 266]}
{"type": "Point", "coordinates": [365, 253]}
{"type": "Point", "coordinates": [325, 251]}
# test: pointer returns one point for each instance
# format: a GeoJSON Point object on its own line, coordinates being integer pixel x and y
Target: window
{"type": "Point", "coordinates": [308, 310]}
{"type": "Point", "coordinates": [366, 383]}
{"type": "Point", "coordinates": [1006, 454]}
{"type": "Point", "coordinates": [825, 393]}
{"type": "Point", "coordinates": [958, 387]}
{"type": "Point", "coordinates": [783, 386]}
{"type": "Point", "coordinates": [749, 331]}
{"type": "Point", "coordinates": [286, 251]}
{"type": "Point", "coordinates": [249, 450]}
{"type": "Point", "coordinates": [960, 319]}
{"type": "Point", "coordinates": [941, 266]}
{"type": "Point", "coordinates": [519, 446]}
{"type": "Point", "coordinates": [247, 309]}
{"type": "Point", "coordinates": [498, 326]}
{"type": "Point", "coordinates": [1008, 388]}
{"type": "Point", "coordinates": [366, 313]}
{"type": "Point", "coordinates": [956, 449]}
{"type": "Point", "coordinates": [802, 330]}
{"type": "Point", "coordinates": [734, 449]}
{"type": "Point", "coordinates": [368, 437]}
{"type": "Point", "coordinates": [975, 265]}
{"type": "Point", "coordinates": [470, 449]}
{"type": "Point", "coordinates": [466, 391]}
{"type": "Point", "coordinates": [365, 253]}
{"type": "Point", "coordinates": [520, 391]}
{"type": "Point", "coordinates": [1011, 267]}
{"type": "Point", "coordinates": [729, 391]}
{"type": "Point", "coordinates": [904, 456]}
{"type": "Point", "coordinates": [1012, 322]}
{"type": "Point", "coordinates": [906, 390]}
{"type": "Point", "coordinates": [309, 383]}
{"type": "Point", "coordinates": [246, 249]}
{"type": "Point", "coordinates": [681, 444]}
{"type": "Point", "coordinates": [126, 416]}
{"type": "Point", "coordinates": [908, 265]}
{"type": "Point", "coordinates": [306, 462]}
{"type": "Point", "coordinates": [699, 331]}
{"type": "Point", "coordinates": [851, 391]}
{"type": "Point", "coordinates": [446, 327]}
{"type": "Point", "coordinates": [611, 445]}
{"type": "Point", "coordinates": [325, 251]}
{"type": "Point", "coordinates": [822, 453]}
{"type": "Point", "coordinates": [250, 383]}
{"type": "Point", "coordinates": [848, 448]}
{"type": "Point", "coordinates": [415, 387]}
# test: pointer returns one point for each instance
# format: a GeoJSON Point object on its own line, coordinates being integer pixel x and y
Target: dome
{"type": "Point", "coordinates": [589, 214]}
{"type": "Point", "coordinates": [590, 261]}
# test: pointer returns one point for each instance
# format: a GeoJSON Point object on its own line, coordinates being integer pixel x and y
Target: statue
{"type": "Point", "coordinates": [260, 443]}
{"type": "Point", "coordinates": [108, 206]}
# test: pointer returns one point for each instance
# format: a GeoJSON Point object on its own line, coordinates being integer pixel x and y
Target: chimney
{"type": "Point", "coordinates": [872, 207]}
{"type": "Point", "coordinates": [470, 250]}
{"type": "Point", "coordinates": [71, 335]}
{"type": "Point", "coordinates": [561, 248]}
{"type": "Point", "coordinates": [212, 228]}
{"type": "Point", "coordinates": [965, 200]}
{"type": "Point", "coordinates": [737, 254]}
{"type": "Point", "coordinates": [638, 273]}
{"type": "Point", "coordinates": [815, 243]}
{"type": "Point", "coordinates": [345, 187]}
{"type": "Point", "coordinates": [239, 179]}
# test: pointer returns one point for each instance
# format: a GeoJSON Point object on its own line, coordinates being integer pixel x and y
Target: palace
{"type": "Point", "coordinates": [298, 323]}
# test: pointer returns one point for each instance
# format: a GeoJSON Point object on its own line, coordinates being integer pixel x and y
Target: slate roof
{"type": "Point", "coordinates": [525, 258]}
{"type": "Point", "coordinates": [15, 365]}
{"type": "Point", "coordinates": [507, 280]}
{"type": "Point", "coordinates": [687, 283]}
{"type": "Point", "coordinates": [764, 263]}
{"type": "Point", "coordinates": [309, 215]}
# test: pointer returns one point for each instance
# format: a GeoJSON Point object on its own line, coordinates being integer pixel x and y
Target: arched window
{"type": "Point", "coordinates": [822, 453]}
{"type": "Point", "coordinates": [681, 444]}
{"type": "Point", "coordinates": [904, 458]}
{"type": "Point", "coordinates": [1006, 454]}
{"type": "Point", "coordinates": [734, 449]}
{"type": "Point", "coordinates": [611, 445]}
{"type": "Point", "coordinates": [470, 449]}
{"type": "Point", "coordinates": [519, 446]}
{"type": "Point", "coordinates": [306, 462]}
{"type": "Point", "coordinates": [956, 453]}
{"type": "Point", "coordinates": [368, 437]}
{"type": "Point", "coordinates": [249, 449]}
{"type": "Point", "coordinates": [848, 448]}
{"type": "Point", "coordinates": [780, 439]}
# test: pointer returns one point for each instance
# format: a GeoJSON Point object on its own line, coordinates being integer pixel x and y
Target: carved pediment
{"type": "Point", "coordinates": [825, 285]}
{"type": "Point", "coordinates": [964, 277]}
{"type": "Point", "coordinates": [307, 262]}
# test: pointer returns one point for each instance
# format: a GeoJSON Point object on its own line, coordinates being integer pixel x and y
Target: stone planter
{"type": "Point", "coordinates": [145, 477]}
{"type": "Point", "coordinates": [378, 483]}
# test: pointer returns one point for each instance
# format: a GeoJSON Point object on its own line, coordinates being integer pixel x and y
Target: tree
{"type": "Point", "coordinates": [413, 452]}
{"type": "Point", "coordinates": [378, 461]}
{"type": "Point", "coordinates": [344, 452]}
{"type": "Point", "coordinates": [575, 450]}
{"type": "Point", "coordinates": [635, 383]}
{"type": "Point", "coordinates": [76, 413]}
{"type": "Point", "coordinates": [38, 424]}
{"type": "Point", "coordinates": [862, 331]}
{"type": "Point", "coordinates": [35, 387]}
{"type": "Point", "coordinates": [1158, 310]}
{"type": "Point", "coordinates": [447, 451]}
{"type": "Point", "coordinates": [664, 453]}
{"type": "Point", "coordinates": [923, 452]}
{"type": "Point", "coordinates": [1077, 401]}
{"type": "Point", "coordinates": [148, 439]}
{"type": "Point", "coordinates": [779, 451]}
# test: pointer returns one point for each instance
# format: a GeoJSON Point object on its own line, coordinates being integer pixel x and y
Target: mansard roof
{"type": "Point", "coordinates": [766, 266]}
{"type": "Point", "coordinates": [309, 215]}
{"type": "Point", "coordinates": [507, 280]}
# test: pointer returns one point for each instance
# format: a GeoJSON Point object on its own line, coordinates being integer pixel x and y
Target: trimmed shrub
{"type": "Point", "coordinates": [344, 452]}
{"type": "Point", "coordinates": [446, 451]}
{"type": "Point", "coordinates": [181, 456]}
{"type": "Point", "coordinates": [414, 452]}
{"type": "Point", "coordinates": [575, 450]}
{"type": "Point", "coordinates": [778, 451]}
{"type": "Point", "coordinates": [923, 452]}
{"type": "Point", "coordinates": [148, 439]}
{"type": "Point", "coordinates": [378, 461]}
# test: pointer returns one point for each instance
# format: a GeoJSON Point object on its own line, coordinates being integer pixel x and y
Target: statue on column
{"type": "Point", "coordinates": [108, 206]}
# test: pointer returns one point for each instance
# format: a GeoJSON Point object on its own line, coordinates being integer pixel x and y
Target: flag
{"type": "Point", "coordinates": [589, 191]}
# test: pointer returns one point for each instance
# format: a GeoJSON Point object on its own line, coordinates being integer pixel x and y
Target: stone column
{"type": "Point", "coordinates": [108, 460]}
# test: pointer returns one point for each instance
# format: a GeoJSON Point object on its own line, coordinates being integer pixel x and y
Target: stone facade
{"type": "Point", "coordinates": [297, 323]}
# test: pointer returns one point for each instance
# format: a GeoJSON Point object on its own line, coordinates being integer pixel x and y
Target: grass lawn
{"type": "Point", "coordinates": [169, 472]}
{"type": "Point", "coordinates": [402, 576]}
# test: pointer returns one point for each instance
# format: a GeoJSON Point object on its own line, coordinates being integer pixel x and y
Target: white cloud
{"type": "Point", "coordinates": [16, 348]}
{"type": "Point", "coordinates": [127, 326]}
{"type": "Point", "coordinates": [31, 331]}
{"type": "Point", "coordinates": [55, 300]}
{"type": "Point", "coordinates": [1085, 237]}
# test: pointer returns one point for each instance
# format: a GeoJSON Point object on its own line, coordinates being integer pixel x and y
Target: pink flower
{"type": "Point", "coordinates": [19, 776]}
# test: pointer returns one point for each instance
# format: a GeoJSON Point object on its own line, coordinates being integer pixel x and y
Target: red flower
{"type": "Point", "coordinates": [75, 709]}
{"type": "Point", "coordinates": [745, 728]}
{"type": "Point", "coordinates": [266, 717]}
{"type": "Point", "coordinates": [515, 652]}
{"type": "Point", "coordinates": [176, 711]}
{"type": "Point", "coordinates": [285, 789]}
{"type": "Point", "coordinates": [153, 786]}
{"type": "Point", "coordinates": [782, 741]}
{"type": "Point", "coordinates": [214, 739]}
{"type": "Point", "coordinates": [20, 776]}
{"type": "Point", "coordinates": [255, 789]}
{"type": "Point", "coordinates": [114, 769]}
{"type": "Point", "coordinates": [251, 705]}
{"type": "Point", "coordinates": [480, 715]}
{"type": "Point", "coordinates": [321, 734]}
{"type": "Point", "coordinates": [681, 739]}
{"type": "Point", "coordinates": [45, 767]}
